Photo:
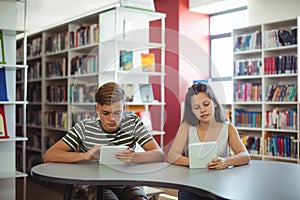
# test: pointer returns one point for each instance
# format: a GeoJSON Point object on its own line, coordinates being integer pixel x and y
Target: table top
{"type": "Point", "coordinates": [257, 180]}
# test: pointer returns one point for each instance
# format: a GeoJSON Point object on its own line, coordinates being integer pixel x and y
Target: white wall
{"type": "Point", "coordinates": [265, 11]}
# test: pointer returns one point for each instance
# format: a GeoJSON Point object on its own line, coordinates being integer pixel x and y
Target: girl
{"type": "Point", "coordinates": [204, 120]}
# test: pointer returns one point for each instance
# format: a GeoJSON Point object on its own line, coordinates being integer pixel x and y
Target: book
{"type": "Point", "coordinates": [146, 92]}
{"type": "Point", "coordinates": [129, 91]}
{"type": "Point", "coordinates": [148, 62]}
{"type": "Point", "coordinates": [3, 89]}
{"type": "Point", "coordinates": [145, 117]}
{"type": "Point", "coordinates": [3, 129]}
{"type": "Point", "coordinates": [126, 60]}
{"type": "Point", "coordinates": [2, 55]}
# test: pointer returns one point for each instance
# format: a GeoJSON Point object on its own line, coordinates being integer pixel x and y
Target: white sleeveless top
{"type": "Point", "coordinates": [222, 142]}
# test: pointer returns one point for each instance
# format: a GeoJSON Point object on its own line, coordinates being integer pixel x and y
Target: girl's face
{"type": "Point", "coordinates": [203, 107]}
{"type": "Point", "coordinates": [110, 115]}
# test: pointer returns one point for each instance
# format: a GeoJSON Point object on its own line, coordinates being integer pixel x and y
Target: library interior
{"type": "Point", "coordinates": [55, 55]}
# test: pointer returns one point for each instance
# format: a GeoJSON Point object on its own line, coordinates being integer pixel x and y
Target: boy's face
{"type": "Point", "coordinates": [110, 115]}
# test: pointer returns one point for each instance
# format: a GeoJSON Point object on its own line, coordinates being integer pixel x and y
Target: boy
{"type": "Point", "coordinates": [84, 140]}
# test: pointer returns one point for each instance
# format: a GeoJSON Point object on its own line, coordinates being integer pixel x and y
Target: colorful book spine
{"type": "Point", "coordinates": [3, 89]}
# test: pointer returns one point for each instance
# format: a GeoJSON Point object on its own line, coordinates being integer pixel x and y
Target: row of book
{"type": "Point", "coordinates": [84, 64]}
{"type": "Point", "coordinates": [280, 146]}
{"type": "Point", "coordinates": [272, 38]}
{"type": "Point", "coordinates": [247, 67]}
{"type": "Point", "coordinates": [19, 93]}
{"type": "Point", "coordinates": [34, 47]}
{"type": "Point", "coordinates": [34, 117]}
{"type": "Point", "coordinates": [245, 118]}
{"type": "Point", "coordinates": [281, 119]}
{"type": "Point", "coordinates": [80, 93]}
{"type": "Point", "coordinates": [34, 93]}
{"type": "Point", "coordinates": [147, 61]}
{"type": "Point", "coordinates": [56, 119]}
{"type": "Point", "coordinates": [138, 92]}
{"type": "Point", "coordinates": [56, 68]}
{"type": "Point", "coordinates": [85, 34]}
{"type": "Point", "coordinates": [247, 92]}
{"type": "Point", "coordinates": [246, 42]}
{"type": "Point", "coordinates": [57, 42]}
{"type": "Point", "coordinates": [286, 64]}
{"type": "Point", "coordinates": [78, 116]}
{"type": "Point", "coordinates": [56, 93]}
{"type": "Point", "coordinates": [274, 145]}
{"type": "Point", "coordinates": [280, 37]}
{"type": "Point", "coordinates": [252, 144]}
{"type": "Point", "coordinates": [3, 127]}
{"type": "Point", "coordinates": [34, 70]}
{"type": "Point", "coordinates": [34, 139]}
{"type": "Point", "coordinates": [282, 93]}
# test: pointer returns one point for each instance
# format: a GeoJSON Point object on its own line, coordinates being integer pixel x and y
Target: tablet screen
{"type": "Point", "coordinates": [107, 154]}
{"type": "Point", "coordinates": [200, 154]}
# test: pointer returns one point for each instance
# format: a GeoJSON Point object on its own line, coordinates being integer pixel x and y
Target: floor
{"type": "Point", "coordinates": [37, 190]}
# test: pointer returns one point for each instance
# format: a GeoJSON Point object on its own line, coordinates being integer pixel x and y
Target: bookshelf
{"type": "Point", "coordinates": [265, 106]}
{"type": "Point", "coordinates": [13, 107]}
{"type": "Point", "coordinates": [126, 43]}
{"type": "Point", "coordinates": [34, 86]}
{"type": "Point", "coordinates": [67, 62]}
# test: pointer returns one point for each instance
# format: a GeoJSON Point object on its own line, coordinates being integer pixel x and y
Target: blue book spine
{"type": "Point", "coordinates": [3, 89]}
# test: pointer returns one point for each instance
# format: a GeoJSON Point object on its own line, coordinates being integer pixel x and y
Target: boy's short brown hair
{"type": "Point", "coordinates": [109, 93]}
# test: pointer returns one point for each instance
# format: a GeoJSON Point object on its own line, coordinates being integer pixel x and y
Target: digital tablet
{"type": "Point", "coordinates": [200, 154]}
{"type": "Point", "coordinates": [107, 154]}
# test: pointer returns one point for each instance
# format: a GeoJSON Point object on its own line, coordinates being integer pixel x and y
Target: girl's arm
{"type": "Point", "coordinates": [178, 146]}
{"type": "Point", "coordinates": [241, 156]}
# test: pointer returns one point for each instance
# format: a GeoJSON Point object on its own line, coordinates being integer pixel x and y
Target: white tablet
{"type": "Point", "coordinates": [107, 154]}
{"type": "Point", "coordinates": [200, 154]}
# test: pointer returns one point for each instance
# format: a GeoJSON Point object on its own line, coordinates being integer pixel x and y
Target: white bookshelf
{"type": "Point", "coordinates": [127, 29]}
{"type": "Point", "coordinates": [277, 64]}
{"type": "Point", "coordinates": [9, 170]}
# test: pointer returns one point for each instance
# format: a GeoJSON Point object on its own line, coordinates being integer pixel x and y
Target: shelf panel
{"type": "Point", "coordinates": [133, 45]}
{"type": "Point", "coordinates": [12, 67]}
{"type": "Point", "coordinates": [13, 139]}
{"type": "Point", "coordinates": [152, 16]}
{"type": "Point", "coordinates": [153, 133]}
{"type": "Point", "coordinates": [154, 103]}
{"type": "Point", "coordinates": [14, 102]}
{"type": "Point", "coordinates": [15, 174]}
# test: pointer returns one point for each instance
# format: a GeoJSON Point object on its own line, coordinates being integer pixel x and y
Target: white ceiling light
{"type": "Point", "coordinates": [214, 6]}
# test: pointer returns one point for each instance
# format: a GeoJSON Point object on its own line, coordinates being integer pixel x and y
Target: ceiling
{"type": "Point", "coordinates": [42, 14]}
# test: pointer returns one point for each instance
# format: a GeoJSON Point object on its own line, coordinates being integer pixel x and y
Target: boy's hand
{"type": "Point", "coordinates": [126, 155]}
{"type": "Point", "coordinates": [93, 153]}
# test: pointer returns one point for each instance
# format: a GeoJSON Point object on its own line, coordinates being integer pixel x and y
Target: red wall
{"type": "Point", "coordinates": [180, 22]}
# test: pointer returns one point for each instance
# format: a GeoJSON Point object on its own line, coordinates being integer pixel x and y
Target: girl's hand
{"type": "Point", "coordinates": [217, 163]}
{"type": "Point", "coordinates": [126, 155]}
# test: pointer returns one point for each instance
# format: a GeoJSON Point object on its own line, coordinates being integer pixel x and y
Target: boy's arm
{"type": "Point", "coordinates": [61, 152]}
{"type": "Point", "coordinates": [152, 153]}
